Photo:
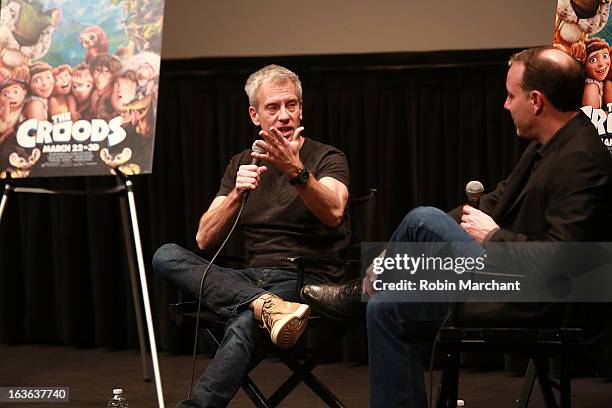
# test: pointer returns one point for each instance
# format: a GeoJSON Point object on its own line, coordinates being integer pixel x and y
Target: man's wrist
{"type": "Point", "coordinates": [490, 234]}
{"type": "Point", "coordinates": [294, 170]}
{"type": "Point", "coordinates": [301, 178]}
{"type": "Point", "coordinates": [234, 195]}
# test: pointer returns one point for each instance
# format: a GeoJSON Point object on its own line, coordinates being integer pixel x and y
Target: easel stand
{"type": "Point", "coordinates": [125, 192]}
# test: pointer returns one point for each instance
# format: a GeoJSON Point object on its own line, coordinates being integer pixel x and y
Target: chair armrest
{"type": "Point", "coordinates": [304, 260]}
{"type": "Point", "coordinates": [183, 307]}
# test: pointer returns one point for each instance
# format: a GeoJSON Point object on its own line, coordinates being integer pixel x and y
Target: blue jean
{"type": "Point", "coordinates": [227, 292]}
{"type": "Point", "coordinates": [395, 328]}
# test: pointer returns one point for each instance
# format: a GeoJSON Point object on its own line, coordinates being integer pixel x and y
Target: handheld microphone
{"type": "Point", "coordinates": [473, 191]}
{"type": "Point", "coordinates": [256, 149]}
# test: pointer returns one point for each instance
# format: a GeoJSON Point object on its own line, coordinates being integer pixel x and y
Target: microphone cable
{"type": "Point", "coordinates": [245, 196]}
{"type": "Point", "coordinates": [197, 328]}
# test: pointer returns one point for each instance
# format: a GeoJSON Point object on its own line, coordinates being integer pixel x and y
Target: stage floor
{"type": "Point", "coordinates": [91, 375]}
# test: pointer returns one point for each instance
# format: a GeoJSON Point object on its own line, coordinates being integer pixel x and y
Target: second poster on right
{"type": "Point", "coordinates": [582, 30]}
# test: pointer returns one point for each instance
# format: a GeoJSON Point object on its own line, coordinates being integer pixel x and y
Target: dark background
{"type": "Point", "coordinates": [415, 126]}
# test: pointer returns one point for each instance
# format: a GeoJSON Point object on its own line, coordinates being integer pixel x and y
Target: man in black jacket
{"type": "Point", "coordinates": [559, 191]}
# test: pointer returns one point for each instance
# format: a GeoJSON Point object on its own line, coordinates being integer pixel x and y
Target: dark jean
{"type": "Point", "coordinates": [396, 328]}
{"type": "Point", "coordinates": [227, 292]}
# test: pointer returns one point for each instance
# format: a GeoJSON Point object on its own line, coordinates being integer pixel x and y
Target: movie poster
{"type": "Point", "coordinates": [582, 30]}
{"type": "Point", "coordinates": [78, 86]}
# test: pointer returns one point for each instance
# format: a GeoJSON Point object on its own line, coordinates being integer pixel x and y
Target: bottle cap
{"type": "Point", "coordinates": [460, 403]}
{"type": "Point", "coordinates": [117, 391]}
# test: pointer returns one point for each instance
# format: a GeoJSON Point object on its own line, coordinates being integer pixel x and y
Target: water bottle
{"type": "Point", "coordinates": [118, 401]}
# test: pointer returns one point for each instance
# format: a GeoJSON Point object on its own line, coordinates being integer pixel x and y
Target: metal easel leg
{"type": "Point", "coordinates": [129, 187]}
{"type": "Point", "coordinates": [129, 248]}
{"type": "Point", "coordinates": [7, 191]}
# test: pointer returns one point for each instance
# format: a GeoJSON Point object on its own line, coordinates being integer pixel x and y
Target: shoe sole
{"type": "Point", "coordinates": [288, 330]}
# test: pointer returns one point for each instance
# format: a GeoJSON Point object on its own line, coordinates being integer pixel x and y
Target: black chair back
{"type": "Point", "coordinates": [362, 213]}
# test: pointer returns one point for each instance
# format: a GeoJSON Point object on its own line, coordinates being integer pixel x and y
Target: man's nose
{"type": "Point", "coordinates": [283, 114]}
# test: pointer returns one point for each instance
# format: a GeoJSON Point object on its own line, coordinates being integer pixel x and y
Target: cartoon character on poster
{"type": "Point", "coordinates": [583, 30]}
{"type": "Point", "coordinates": [78, 86]}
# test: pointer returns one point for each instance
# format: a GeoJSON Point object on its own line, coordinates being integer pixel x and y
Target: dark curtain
{"type": "Point", "coordinates": [415, 126]}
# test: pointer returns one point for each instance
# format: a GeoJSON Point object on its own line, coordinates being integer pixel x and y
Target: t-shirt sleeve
{"type": "Point", "coordinates": [334, 164]}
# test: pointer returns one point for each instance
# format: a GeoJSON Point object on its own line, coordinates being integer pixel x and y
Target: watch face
{"type": "Point", "coordinates": [301, 178]}
{"type": "Point", "coordinates": [304, 175]}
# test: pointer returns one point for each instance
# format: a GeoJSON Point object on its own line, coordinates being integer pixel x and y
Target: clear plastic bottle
{"type": "Point", "coordinates": [118, 400]}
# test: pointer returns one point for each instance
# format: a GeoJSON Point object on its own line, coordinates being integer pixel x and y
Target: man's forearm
{"type": "Point", "coordinates": [322, 201]}
{"type": "Point", "coordinates": [216, 222]}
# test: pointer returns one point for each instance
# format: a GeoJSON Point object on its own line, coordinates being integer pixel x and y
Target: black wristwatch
{"type": "Point", "coordinates": [301, 178]}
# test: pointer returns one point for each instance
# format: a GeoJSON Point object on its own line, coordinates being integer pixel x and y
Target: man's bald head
{"type": "Point", "coordinates": [554, 73]}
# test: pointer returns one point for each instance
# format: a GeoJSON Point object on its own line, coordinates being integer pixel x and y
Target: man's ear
{"type": "Point", "coordinates": [253, 115]}
{"type": "Point", "coordinates": [537, 101]}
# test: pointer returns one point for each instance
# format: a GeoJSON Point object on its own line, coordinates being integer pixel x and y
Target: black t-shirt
{"type": "Point", "coordinates": [275, 221]}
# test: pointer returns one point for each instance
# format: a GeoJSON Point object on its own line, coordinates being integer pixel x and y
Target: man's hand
{"type": "Point", "coordinates": [476, 223]}
{"type": "Point", "coordinates": [247, 177]}
{"type": "Point", "coordinates": [367, 285]}
{"type": "Point", "coordinates": [215, 222]}
{"type": "Point", "coordinates": [282, 153]}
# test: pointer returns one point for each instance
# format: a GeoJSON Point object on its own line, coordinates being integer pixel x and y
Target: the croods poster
{"type": "Point", "coordinates": [78, 86]}
{"type": "Point", "coordinates": [583, 30]}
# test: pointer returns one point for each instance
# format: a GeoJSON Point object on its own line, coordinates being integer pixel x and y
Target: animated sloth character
{"type": "Point", "coordinates": [576, 19]}
{"type": "Point", "coordinates": [93, 39]}
{"type": "Point", "coordinates": [25, 31]}
{"type": "Point", "coordinates": [136, 41]}
{"type": "Point", "coordinates": [21, 165]}
{"type": "Point", "coordinates": [119, 161]}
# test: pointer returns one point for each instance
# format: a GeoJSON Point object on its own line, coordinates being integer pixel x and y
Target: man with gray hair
{"type": "Point", "coordinates": [295, 207]}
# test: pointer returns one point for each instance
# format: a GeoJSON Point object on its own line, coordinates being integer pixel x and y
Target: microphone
{"type": "Point", "coordinates": [256, 149]}
{"type": "Point", "coordinates": [473, 191]}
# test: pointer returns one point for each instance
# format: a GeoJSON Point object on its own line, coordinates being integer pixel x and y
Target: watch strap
{"type": "Point", "coordinates": [301, 178]}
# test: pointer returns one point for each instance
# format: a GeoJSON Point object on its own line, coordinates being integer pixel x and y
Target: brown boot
{"type": "Point", "coordinates": [285, 321]}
